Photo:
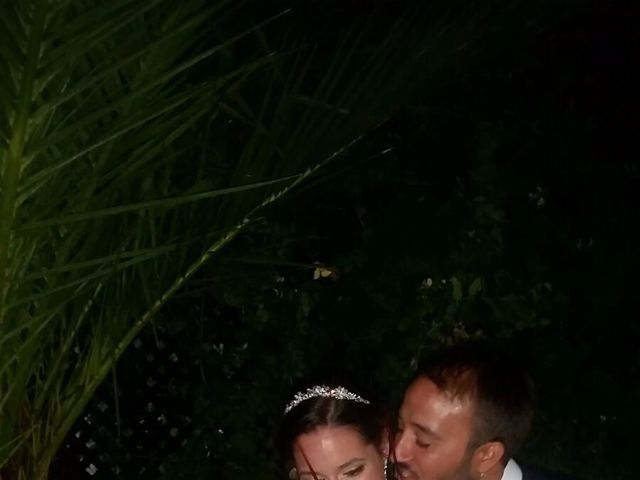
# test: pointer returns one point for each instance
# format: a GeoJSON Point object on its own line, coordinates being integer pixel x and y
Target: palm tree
{"type": "Point", "coordinates": [136, 140]}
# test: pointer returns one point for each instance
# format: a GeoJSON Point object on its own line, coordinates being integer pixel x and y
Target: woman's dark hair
{"type": "Point", "coordinates": [370, 420]}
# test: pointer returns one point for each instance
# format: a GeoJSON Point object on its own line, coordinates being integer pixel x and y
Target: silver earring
{"type": "Point", "coordinates": [386, 468]}
{"type": "Point", "coordinates": [483, 474]}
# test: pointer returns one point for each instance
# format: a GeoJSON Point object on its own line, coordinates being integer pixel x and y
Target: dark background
{"type": "Point", "coordinates": [504, 206]}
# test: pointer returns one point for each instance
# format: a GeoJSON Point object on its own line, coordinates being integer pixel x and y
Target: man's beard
{"type": "Point", "coordinates": [464, 471]}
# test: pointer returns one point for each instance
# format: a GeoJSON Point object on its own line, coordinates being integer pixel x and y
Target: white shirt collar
{"type": "Point", "coordinates": [512, 471]}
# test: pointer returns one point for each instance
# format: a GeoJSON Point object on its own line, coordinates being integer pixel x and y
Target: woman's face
{"type": "Point", "coordinates": [337, 453]}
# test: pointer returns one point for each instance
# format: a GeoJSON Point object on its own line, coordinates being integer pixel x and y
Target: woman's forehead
{"type": "Point", "coordinates": [332, 437]}
{"type": "Point", "coordinates": [330, 447]}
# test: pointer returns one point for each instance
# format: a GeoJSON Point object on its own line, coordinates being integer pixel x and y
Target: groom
{"type": "Point", "coordinates": [464, 416]}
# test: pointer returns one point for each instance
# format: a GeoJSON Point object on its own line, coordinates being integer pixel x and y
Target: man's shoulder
{"type": "Point", "coordinates": [532, 473]}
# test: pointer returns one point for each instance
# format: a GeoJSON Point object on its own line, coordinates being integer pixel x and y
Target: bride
{"type": "Point", "coordinates": [331, 433]}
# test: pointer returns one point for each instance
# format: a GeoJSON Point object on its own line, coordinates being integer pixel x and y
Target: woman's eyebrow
{"type": "Point", "coordinates": [350, 462]}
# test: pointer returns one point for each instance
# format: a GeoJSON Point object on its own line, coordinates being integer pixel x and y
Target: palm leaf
{"type": "Point", "coordinates": [96, 99]}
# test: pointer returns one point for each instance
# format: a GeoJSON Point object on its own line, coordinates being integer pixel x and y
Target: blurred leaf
{"type": "Point", "coordinates": [456, 289]}
{"type": "Point", "coordinates": [475, 287]}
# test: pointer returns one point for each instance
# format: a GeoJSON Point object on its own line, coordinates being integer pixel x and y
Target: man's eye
{"type": "Point", "coordinates": [355, 471]}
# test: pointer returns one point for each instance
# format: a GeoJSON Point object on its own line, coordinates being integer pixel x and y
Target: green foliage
{"type": "Point", "coordinates": [94, 200]}
{"type": "Point", "coordinates": [136, 141]}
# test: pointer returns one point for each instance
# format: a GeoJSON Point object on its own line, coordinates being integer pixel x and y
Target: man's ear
{"type": "Point", "coordinates": [487, 459]}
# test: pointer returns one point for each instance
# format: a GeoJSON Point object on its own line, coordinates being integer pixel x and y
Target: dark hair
{"type": "Point", "coordinates": [370, 420]}
{"type": "Point", "coordinates": [498, 385]}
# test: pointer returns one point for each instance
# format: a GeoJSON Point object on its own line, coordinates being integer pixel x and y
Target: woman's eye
{"type": "Point", "coordinates": [422, 444]}
{"type": "Point", "coordinates": [355, 471]}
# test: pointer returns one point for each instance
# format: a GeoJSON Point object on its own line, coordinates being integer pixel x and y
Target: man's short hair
{"type": "Point", "coordinates": [499, 387]}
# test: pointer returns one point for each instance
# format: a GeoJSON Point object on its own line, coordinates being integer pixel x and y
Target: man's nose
{"type": "Point", "coordinates": [402, 448]}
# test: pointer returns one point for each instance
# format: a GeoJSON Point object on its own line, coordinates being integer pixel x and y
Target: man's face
{"type": "Point", "coordinates": [434, 431]}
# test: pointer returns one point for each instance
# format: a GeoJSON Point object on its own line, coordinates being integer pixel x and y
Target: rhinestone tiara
{"type": "Point", "coordinates": [339, 393]}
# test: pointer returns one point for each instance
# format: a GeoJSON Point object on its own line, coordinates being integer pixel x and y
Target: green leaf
{"type": "Point", "coordinates": [475, 287]}
{"type": "Point", "coordinates": [456, 289]}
